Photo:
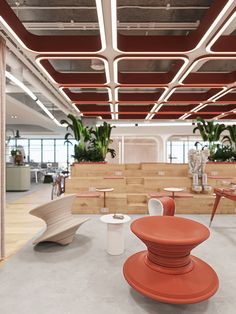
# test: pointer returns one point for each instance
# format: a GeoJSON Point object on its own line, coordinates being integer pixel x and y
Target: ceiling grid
{"type": "Point", "coordinates": [132, 59]}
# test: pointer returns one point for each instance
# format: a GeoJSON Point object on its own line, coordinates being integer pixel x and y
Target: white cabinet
{"type": "Point", "coordinates": [17, 178]}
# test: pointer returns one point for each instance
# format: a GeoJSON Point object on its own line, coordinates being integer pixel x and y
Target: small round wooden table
{"type": "Point", "coordinates": [173, 190]}
{"type": "Point", "coordinates": [104, 190]}
{"type": "Point", "coordinates": [166, 271]}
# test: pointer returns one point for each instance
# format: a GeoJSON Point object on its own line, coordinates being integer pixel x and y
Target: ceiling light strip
{"type": "Point", "coordinates": [21, 85]}
{"type": "Point", "coordinates": [101, 24]}
{"type": "Point", "coordinates": [200, 60]}
{"type": "Point", "coordinates": [219, 33]}
{"type": "Point", "coordinates": [114, 24]}
{"type": "Point", "coordinates": [184, 116]}
{"type": "Point", "coordinates": [76, 108]}
{"type": "Point", "coordinates": [16, 37]}
{"type": "Point", "coordinates": [198, 107]}
{"type": "Point", "coordinates": [213, 25]}
{"type": "Point", "coordinates": [32, 95]}
{"type": "Point", "coordinates": [221, 94]}
{"type": "Point", "coordinates": [101, 28]}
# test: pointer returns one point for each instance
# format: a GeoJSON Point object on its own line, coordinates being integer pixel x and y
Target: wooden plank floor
{"type": "Point", "coordinates": [20, 226]}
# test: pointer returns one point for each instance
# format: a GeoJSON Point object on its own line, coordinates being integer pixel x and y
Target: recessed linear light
{"type": "Point", "coordinates": [150, 116]}
{"type": "Point", "coordinates": [223, 94]}
{"type": "Point", "coordinates": [101, 24]}
{"type": "Point", "coordinates": [220, 115]}
{"type": "Point", "coordinates": [157, 108]}
{"type": "Point", "coordinates": [218, 34]}
{"type": "Point", "coordinates": [10, 30]}
{"type": "Point", "coordinates": [200, 60]}
{"type": "Point", "coordinates": [184, 116]}
{"type": "Point", "coordinates": [219, 94]}
{"type": "Point", "coordinates": [210, 29]}
{"type": "Point", "coordinates": [101, 28]}
{"type": "Point", "coordinates": [41, 105]}
{"type": "Point", "coordinates": [21, 85]}
{"type": "Point", "coordinates": [111, 108]}
{"type": "Point", "coordinates": [114, 24]}
{"type": "Point", "coordinates": [61, 89]}
{"type": "Point", "coordinates": [199, 107]}
{"type": "Point", "coordinates": [116, 107]}
{"type": "Point", "coordinates": [154, 109]}
{"type": "Point", "coordinates": [32, 95]}
{"type": "Point", "coordinates": [76, 108]}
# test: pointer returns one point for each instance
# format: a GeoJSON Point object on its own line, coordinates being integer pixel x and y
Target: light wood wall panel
{"type": "Point", "coordinates": [137, 181]}
{"type": "Point", "coordinates": [2, 143]}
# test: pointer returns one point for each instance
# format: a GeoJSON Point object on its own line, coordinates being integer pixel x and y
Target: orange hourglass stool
{"type": "Point", "coordinates": [166, 271]}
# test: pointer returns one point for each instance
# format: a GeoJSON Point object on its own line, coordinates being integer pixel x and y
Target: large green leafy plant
{"type": "Point", "coordinates": [224, 153]}
{"type": "Point", "coordinates": [231, 138]}
{"type": "Point", "coordinates": [102, 140]}
{"type": "Point", "coordinates": [92, 142]}
{"type": "Point", "coordinates": [82, 134]}
{"type": "Point", "coordinates": [210, 132]}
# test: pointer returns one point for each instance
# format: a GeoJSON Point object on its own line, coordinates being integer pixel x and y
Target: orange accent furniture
{"type": "Point", "coordinates": [227, 193]}
{"type": "Point", "coordinates": [166, 271]}
{"type": "Point", "coordinates": [163, 206]}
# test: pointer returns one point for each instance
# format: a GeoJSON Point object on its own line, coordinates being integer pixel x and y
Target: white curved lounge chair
{"type": "Point", "coordinates": [61, 224]}
{"type": "Point", "coordinates": [164, 206]}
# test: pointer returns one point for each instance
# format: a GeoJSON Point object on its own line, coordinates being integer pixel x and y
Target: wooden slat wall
{"type": "Point", "coordinates": [2, 143]}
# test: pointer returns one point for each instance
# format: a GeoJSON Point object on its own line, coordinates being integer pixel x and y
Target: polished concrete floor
{"type": "Point", "coordinates": [34, 187]}
{"type": "Point", "coordinates": [82, 278]}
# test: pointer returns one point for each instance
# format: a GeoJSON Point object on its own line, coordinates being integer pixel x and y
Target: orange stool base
{"type": "Point", "coordinates": [199, 284]}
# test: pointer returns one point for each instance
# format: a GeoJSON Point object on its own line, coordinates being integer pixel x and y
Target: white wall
{"type": "Point", "coordinates": [159, 133]}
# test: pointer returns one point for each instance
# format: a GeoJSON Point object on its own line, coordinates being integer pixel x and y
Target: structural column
{"type": "Point", "coordinates": [2, 144]}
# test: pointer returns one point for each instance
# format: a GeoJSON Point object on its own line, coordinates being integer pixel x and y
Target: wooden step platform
{"type": "Point", "coordinates": [133, 184]}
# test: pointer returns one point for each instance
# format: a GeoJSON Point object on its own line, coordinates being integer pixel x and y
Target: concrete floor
{"type": "Point", "coordinates": [82, 278]}
{"type": "Point", "coordinates": [34, 187]}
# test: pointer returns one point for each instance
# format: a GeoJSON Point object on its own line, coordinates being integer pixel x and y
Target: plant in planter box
{"type": "Point", "coordinates": [210, 132]}
{"type": "Point", "coordinates": [82, 135]}
{"type": "Point", "coordinates": [102, 140]}
{"type": "Point", "coordinates": [224, 153]}
{"type": "Point", "coordinates": [92, 142]}
{"type": "Point", "coordinates": [231, 138]}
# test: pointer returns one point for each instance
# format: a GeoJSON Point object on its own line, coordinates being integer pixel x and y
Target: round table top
{"type": "Point", "coordinates": [110, 220]}
{"type": "Point", "coordinates": [173, 189]}
{"type": "Point", "coordinates": [104, 189]}
{"type": "Point", "coordinates": [170, 230]}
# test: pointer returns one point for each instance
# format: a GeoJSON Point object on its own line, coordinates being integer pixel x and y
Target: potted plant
{"type": "Point", "coordinates": [17, 156]}
{"type": "Point", "coordinates": [210, 132]}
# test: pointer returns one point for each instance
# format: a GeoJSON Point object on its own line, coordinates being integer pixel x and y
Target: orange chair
{"type": "Point", "coordinates": [163, 206]}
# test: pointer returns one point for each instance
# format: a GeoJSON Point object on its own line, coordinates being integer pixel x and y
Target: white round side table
{"type": "Point", "coordinates": [173, 190]}
{"type": "Point", "coordinates": [115, 233]}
